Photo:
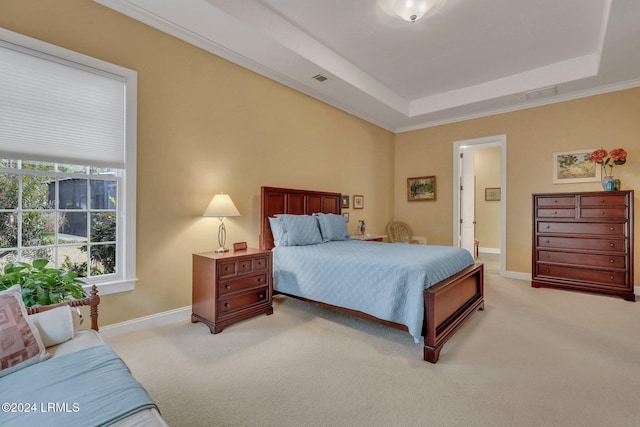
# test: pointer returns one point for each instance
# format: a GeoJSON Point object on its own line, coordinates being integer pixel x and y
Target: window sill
{"type": "Point", "coordinates": [108, 288]}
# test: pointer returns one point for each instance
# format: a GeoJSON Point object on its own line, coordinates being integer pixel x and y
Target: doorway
{"type": "Point", "coordinates": [465, 197]}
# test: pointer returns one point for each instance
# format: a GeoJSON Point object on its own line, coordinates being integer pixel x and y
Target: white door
{"type": "Point", "coordinates": [467, 199]}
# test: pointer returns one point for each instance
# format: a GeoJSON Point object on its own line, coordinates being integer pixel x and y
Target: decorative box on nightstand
{"type": "Point", "coordinates": [231, 286]}
{"type": "Point", "coordinates": [369, 237]}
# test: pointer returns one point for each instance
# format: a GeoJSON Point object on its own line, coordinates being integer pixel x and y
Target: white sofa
{"type": "Point", "coordinates": [70, 376]}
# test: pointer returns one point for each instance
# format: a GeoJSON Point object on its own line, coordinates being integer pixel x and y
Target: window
{"type": "Point", "coordinates": [67, 161]}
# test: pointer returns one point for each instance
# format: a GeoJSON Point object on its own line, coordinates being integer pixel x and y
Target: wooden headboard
{"type": "Point", "coordinates": [275, 201]}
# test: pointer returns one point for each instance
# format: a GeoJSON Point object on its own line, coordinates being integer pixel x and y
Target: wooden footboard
{"type": "Point", "coordinates": [92, 301]}
{"type": "Point", "coordinates": [448, 304]}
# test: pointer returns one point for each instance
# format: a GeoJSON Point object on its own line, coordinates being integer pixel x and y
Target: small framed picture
{"type": "Point", "coordinates": [492, 194]}
{"type": "Point", "coordinates": [345, 216]}
{"type": "Point", "coordinates": [358, 202]}
{"type": "Point", "coordinates": [421, 188]}
{"type": "Point", "coordinates": [575, 166]}
{"type": "Point", "coordinates": [240, 246]}
{"type": "Point", "coordinates": [344, 201]}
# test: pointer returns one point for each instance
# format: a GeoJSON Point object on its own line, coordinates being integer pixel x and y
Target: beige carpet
{"type": "Point", "coordinates": [534, 357]}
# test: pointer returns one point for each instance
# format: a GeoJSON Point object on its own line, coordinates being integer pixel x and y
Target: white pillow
{"type": "Point", "coordinates": [55, 326]}
{"type": "Point", "coordinates": [20, 342]}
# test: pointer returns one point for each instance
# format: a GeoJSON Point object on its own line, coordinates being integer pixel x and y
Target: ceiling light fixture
{"type": "Point", "coordinates": [412, 10]}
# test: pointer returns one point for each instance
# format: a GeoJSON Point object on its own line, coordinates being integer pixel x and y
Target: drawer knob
{"type": "Point", "coordinates": [612, 277]}
{"type": "Point", "coordinates": [601, 200]}
{"type": "Point", "coordinates": [611, 228]}
{"type": "Point", "coordinates": [226, 304]}
{"type": "Point", "coordinates": [261, 296]}
{"type": "Point", "coordinates": [612, 244]}
{"type": "Point", "coordinates": [548, 241]}
{"type": "Point", "coordinates": [601, 212]}
{"type": "Point", "coordinates": [611, 261]}
{"type": "Point", "coordinates": [227, 286]}
{"type": "Point", "coordinates": [547, 270]}
{"type": "Point", "coordinates": [260, 279]}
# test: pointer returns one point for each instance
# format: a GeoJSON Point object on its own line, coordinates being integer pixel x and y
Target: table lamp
{"type": "Point", "coordinates": [221, 206]}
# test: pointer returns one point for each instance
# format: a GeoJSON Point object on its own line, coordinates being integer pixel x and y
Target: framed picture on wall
{"type": "Point", "coordinates": [421, 188]}
{"type": "Point", "coordinates": [344, 201]}
{"type": "Point", "coordinates": [492, 194]}
{"type": "Point", "coordinates": [345, 216]}
{"type": "Point", "coordinates": [575, 166]}
{"type": "Point", "coordinates": [358, 202]}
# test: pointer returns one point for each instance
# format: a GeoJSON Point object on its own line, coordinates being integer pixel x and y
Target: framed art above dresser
{"type": "Point", "coordinates": [584, 242]}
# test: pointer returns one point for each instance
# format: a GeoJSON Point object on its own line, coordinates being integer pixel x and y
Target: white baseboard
{"type": "Point", "coordinates": [146, 322]}
{"type": "Point", "coordinates": [184, 314]}
{"type": "Point", "coordinates": [489, 250]}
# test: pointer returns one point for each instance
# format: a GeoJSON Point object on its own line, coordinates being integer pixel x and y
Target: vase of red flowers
{"type": "Point", "coordinates": [607, 161]}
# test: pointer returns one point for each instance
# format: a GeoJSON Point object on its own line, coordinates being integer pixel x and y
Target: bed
{"type": "Point", "coordinates": [443, 306]}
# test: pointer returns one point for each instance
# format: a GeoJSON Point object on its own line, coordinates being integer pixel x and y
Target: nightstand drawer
{"type": "Point", "coordinates": [243, 266]}
{"type": "Point", "coordinates": [243, 283]}
{"type": "Point", "coordinates": [244, 300]}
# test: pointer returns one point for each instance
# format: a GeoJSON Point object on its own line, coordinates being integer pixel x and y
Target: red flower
{"type": "Point", "coordinates": [599, 155]}
{"type": "Point", "coordinates": [615, 157]}
{"type": "Point", "coordinates": [618, 156]}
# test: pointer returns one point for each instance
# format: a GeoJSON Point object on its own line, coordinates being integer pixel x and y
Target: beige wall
{"type": "Point", "coordinates": [206, 125]}
{"type": "Point", "coordinates": [487, 172]}
{"type": "Point", "coordinates": [533, 135]}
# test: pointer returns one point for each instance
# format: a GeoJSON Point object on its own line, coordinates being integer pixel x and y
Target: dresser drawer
{"type": "Point", "coordinates": [606, 261]}
{"type": "Point", "coordinates": [609, 245]}
{"type": "Point", "coordinates": [242, 283]}
{"type": "Point", "coordinates": [556, 213]}
{"type": "Point", "coordinates": [243, 300]}
{"type": "Point", "coordinates": [603, 213]}
{"type": "Point", "coordinates": [613, 200]}
{"type": "Point", "coordinates": [567, 201]}
{"type": "Point", "coordinates": [604, 277]}
{"type": "Point", "coordinates": [582, 228]}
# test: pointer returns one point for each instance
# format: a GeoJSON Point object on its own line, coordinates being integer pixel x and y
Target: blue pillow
{"type": "Point", "coordinates": [300, 229]}
{"type": "Point", "coordinates": [278, 232]}
{"type": "Point", "coordinates": [332, 227]}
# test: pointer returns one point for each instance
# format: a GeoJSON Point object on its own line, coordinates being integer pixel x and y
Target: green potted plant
{"type": "Point", "coordinates": [41, 285]}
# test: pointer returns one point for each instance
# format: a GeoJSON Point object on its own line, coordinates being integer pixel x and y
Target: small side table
{"type": "Point", "coordinates": [231, 286]}
{"type": "Point", "coordinates": [369, 237]}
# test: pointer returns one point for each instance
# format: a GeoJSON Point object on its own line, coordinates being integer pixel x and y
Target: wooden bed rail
{"type": "Point", "coordinates": [92, 301]}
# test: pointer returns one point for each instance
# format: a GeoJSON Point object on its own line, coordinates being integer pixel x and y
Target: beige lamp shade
{"type": "Point", "coordinates": [221, 206]}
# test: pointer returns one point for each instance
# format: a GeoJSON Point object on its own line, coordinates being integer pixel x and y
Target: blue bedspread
{"type": "Point", "coordinates": [90, 387]}
{"type": "Point", "coordinates": [381, 279]}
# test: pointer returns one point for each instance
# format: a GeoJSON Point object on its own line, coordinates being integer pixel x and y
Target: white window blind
{"type": "Point", "coordinates": [55, 110]}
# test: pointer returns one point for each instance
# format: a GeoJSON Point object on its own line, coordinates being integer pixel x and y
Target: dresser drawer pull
{"type": "Point", "coordinates": [612, 228]}
{"type": "Point", "coordinates": [227, 286]}
{"type": "Point", "coordinates": [612, 277]}
{"type": "Point", "coordinates": [226, 304]}
{"type": "Point", "coordinates": [547, 270]}
{"type": "Point", "coordinates": [611, 261]}
{"type": "Point", "coordinates": [612, 244]}
{"type": "Point", "coordinates": [601, 200]}
{"type": "Point", "coordinates": [260, 279]}
{"type": "Point", "coordinates": [601, 212]}
{"type": "Point", "coordinates": [261, 296]}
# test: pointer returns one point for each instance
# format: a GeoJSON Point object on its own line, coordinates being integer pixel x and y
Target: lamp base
{"type": "Point", "coordinates": [221, 249]}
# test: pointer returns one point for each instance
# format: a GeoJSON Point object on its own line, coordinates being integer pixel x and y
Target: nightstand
{"type": "Point", "coordinates": [369, 237]}
{"type": "Point", "coordinates": [231, 286]}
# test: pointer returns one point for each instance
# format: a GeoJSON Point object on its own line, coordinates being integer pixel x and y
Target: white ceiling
{"type": "Point", "coordinates": [465, 59]}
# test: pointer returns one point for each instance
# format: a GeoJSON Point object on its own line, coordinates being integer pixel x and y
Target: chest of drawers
{"type": "Point", "coordinates": [231, 286]}
{"type": "Point", "coordinates": [584, 241]}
